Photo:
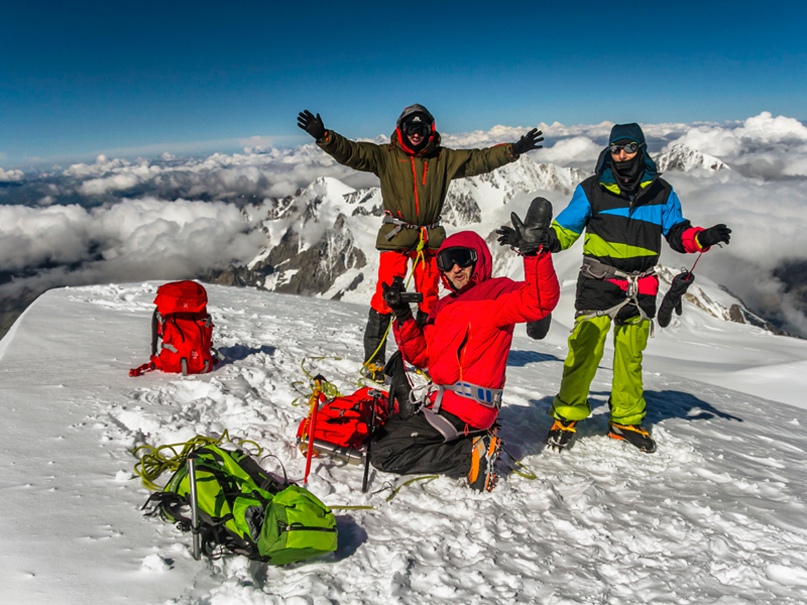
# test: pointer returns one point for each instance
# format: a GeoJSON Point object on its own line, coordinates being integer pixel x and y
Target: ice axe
{"type": "Point", "coordinates": [314, 402]}
{"type": "Point", "coordinates": [370, 432]}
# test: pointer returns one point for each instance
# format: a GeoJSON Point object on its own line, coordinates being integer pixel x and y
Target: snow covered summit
{"type": "Point", "coordinates": [715, 516]}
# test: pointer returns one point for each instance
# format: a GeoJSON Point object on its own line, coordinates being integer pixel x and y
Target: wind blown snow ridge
{"type": "Point", "coordinates": [715, 516]}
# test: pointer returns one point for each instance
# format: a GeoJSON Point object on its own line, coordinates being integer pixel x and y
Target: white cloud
{"type": "Point", "coordinates": [767, 129]}
{"type": "Point", "coordinates": [132, 240]}
{"type": "Point", "coordinates": [716, 141]}
{"type": "Point", "coordinates": [11, 176]}
{"type": "Point", "coordinates": [762, 147]}
{"type": "Point", "coordinates": [570, 151]}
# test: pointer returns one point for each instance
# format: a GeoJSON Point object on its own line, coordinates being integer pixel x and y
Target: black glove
{"type": "Point", "coordinates": [537, 330]}
{"type": "Point", "coordinates": [393, 296]}
{"type": "Point", "coordinates": [528, 142]}
{"type": "Point", "coordinates": [672, 300]}
{"type": "Point", "coordinates": [719, 234]}
{"type": "Point", "coordinates": [531, 234]}
{"type": "Point", "coordinates": [507, 236]}
{"type": "Point", "coordinates": [311, 124]}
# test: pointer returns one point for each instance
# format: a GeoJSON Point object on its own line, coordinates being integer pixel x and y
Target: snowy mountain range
{"type": "Point", "coordinates": [320, 241]}
{"type": "Point", "coordinates": [292, 220]}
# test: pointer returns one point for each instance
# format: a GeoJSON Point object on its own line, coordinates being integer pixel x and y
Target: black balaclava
{"type": "Point", "coordinates": [629, 173]}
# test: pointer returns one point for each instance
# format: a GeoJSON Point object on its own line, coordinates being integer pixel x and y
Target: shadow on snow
{"type": "Point", "coordinates": [524, 428]}
{"type": "Point", "coordinates": [241, 352]}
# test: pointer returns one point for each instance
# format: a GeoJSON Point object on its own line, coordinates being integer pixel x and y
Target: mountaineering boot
{"type": "Point", "coordinates": [633, 434]}
{"type": "Point", "coordinates": [560, 434]}
{"type": "Point", "coordinates": [484, 452]}
{"type": "Point", "coordinates": [375, 346]}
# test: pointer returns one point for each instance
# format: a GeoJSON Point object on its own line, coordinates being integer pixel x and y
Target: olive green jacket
{"type": "Point", "coordinates": [413, 187]}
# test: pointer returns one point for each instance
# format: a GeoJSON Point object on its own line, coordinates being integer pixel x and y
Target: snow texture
{"type": "Point", "coordinates": [717, 515]}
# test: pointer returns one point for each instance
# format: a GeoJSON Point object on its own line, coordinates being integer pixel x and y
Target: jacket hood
{"type": "Point", "coordinates": [483, 268]}
{"type": "Point", "coordinates": [627, 132]}
{"type": "Point", "coordinates": [412, 110]}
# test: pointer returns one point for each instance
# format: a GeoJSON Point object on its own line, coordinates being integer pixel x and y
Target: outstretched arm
{"type": "Point", "coordinates": [471, 162]}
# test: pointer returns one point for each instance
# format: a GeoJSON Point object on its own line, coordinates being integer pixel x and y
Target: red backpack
{"type": "Point", "coordinates": [181, 331]}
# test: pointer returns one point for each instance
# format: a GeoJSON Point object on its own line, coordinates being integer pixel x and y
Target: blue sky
{"type": "Point", "coordinates": [84, 78]}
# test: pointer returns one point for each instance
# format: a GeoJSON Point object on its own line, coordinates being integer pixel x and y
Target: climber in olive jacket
{"type": "Point", "coordinates": [415, 171]}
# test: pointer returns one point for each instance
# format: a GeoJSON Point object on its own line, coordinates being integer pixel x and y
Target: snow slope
{"type": "Point", "coordinates": [717, 515]}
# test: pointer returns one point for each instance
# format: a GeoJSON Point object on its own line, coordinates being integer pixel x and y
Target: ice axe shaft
{"type": "Point", "coordinates": [370, 430]}
{"type": "Point", "coordinates": [196, 545]}
{"type": "Point", "coordinates": [312, 425]}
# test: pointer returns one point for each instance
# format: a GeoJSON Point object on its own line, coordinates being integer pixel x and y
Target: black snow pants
{"type": "Point", "coordinates": [412, 446]}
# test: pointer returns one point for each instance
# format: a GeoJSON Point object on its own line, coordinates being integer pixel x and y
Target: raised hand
{"type": "Point", "coordinates": [528, 142]}
{"type": "Point", "coordinates": [311, 124]}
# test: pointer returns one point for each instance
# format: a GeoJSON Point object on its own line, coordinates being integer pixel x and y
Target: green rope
{"type": "Point", "coordinates": [156, 460]}
{"type": "Point", "coordinates": [409, 482]}
{"type": "Point", "coordinates": [526, 472]}
{"type": "Point", "coordinates": [330, 390]}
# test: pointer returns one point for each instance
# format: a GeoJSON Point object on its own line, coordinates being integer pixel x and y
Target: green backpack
{"type": "Point", "coordinates": [244, 510]}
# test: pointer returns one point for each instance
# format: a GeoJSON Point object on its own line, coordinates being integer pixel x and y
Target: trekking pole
{"type": "Point", "coordinates": [369, 443]}
{"type": "Point", "coordinates": [196, 548]}
{"type": "Point", "coordinates": [314, 402]}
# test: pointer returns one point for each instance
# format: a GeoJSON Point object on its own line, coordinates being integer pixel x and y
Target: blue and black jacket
{"type": "Point", "coordinates": [623, 230]}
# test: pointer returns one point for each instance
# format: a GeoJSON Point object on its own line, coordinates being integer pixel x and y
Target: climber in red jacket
{"type": "Point", "coordinates": [464, 346]}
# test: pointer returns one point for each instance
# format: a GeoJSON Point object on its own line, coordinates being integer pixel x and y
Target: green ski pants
{"type": "Point", "coordinates": [586, 346]}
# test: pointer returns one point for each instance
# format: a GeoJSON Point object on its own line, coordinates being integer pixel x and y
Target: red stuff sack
{"type": "Point", "coordinates": [344, 421]}
{"type": "Point", "coordinates": [181, 331]}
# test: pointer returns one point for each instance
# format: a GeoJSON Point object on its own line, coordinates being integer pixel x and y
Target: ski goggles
{"type": "Point", "coordinates": [456, 255]}
{"type": "Point", "coordinates": [421, 128]}
{"type": "Point", "coordinates": [631, 147]}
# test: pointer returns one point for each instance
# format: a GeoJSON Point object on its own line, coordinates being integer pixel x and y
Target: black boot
{"type": "Point", "coordinates": [375, 345]}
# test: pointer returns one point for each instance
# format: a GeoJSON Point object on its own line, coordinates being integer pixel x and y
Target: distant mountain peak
{"type": "Point", "coordinates": [683, 158]}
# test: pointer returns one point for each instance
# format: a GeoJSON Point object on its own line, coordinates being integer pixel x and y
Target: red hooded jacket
{"type": "Point", "coordinates": [468, 334]}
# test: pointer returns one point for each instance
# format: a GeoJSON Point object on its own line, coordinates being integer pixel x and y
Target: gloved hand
{"type": "Point", "coordinates": [528, 142]}
{"type": "Point", "coordinates": [507, 236]}
{"type": "Point", "coordinates": [533, 232]}
{"type": "Point", "coordinates": [719, 234]}
{"type": "Point", "coordinates": [392, 294]}
{"type": "Point", "coordinates": [537, 330]}
{"type": "Point", "coordinates": [311, 124]}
